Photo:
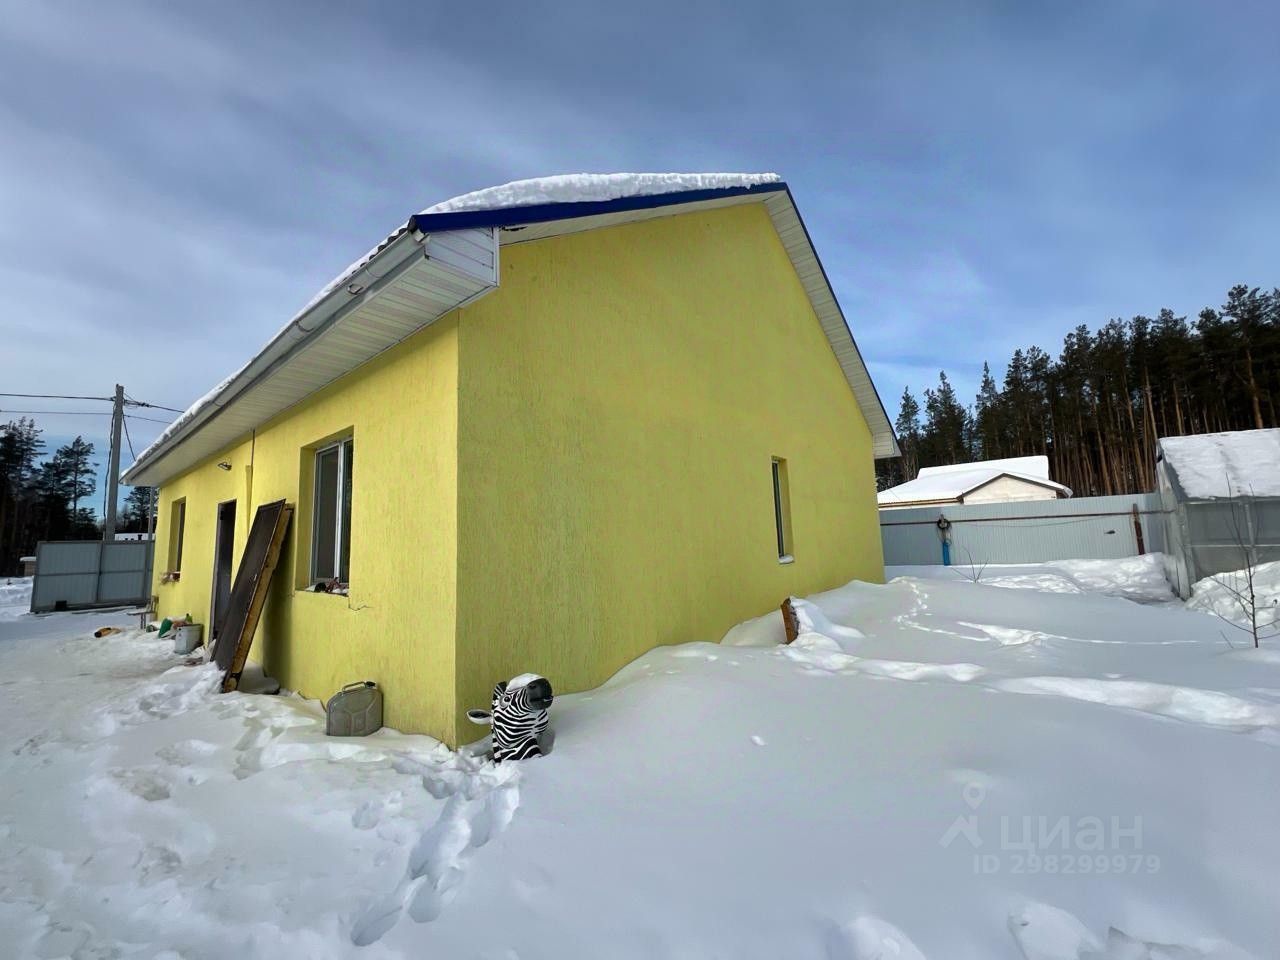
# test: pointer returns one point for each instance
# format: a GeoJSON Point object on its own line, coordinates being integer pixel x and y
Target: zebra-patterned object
{"type": "Point", "coordinates": [519, 716]}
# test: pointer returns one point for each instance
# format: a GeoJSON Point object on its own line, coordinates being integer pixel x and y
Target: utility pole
{"type": "Point", "coordinates": [113, 471]}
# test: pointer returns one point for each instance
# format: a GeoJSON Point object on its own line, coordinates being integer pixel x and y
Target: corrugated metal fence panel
{"type": "Point", "coordinates": [1027, 532]}
{"type": "Point", "coordinates": [90, 573]}
{"type": "Point", "coordinates": [126, 556]}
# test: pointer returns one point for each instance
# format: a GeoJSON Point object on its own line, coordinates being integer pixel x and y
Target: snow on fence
{"type": "Point", "coordinates": [1029, 532]}
{"type": "Point", "coordinates": [78, 574]}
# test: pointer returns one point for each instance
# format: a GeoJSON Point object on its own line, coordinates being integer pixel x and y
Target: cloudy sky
{"type": "Point", "coordinates": [176, 179]}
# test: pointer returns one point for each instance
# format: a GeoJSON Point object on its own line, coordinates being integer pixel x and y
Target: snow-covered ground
{"type": "Point", "coordinates": [1135, 578]}
{"type": "Point", "coordinates": [936, 768]}
{"type": "Point", "coordinates": [15, 596]}
{"type": "Point", "coordinates": [1231, 597]}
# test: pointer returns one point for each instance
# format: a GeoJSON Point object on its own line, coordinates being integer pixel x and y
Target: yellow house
{"type": "Point", "coordinates": [543, 427]}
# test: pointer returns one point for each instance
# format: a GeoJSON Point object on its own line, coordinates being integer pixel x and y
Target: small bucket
{"type": "Point", "coordinates": [187, 638]}
{"type": "Point", "coordinates": [354, 711]}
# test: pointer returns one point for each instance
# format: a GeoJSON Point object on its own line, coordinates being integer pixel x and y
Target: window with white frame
{"type": "Point", "coordinates": [782, 510]}
{"type": "Point", "coordinates": [331, 514]}
{"type": "Point", "coordinates": [177, 531]}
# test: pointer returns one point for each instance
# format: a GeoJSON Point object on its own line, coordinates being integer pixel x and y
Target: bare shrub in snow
{"type": "Point", "coordinates": [1249, 608]}
{"type": "Point", "coordinates": [971, 571]}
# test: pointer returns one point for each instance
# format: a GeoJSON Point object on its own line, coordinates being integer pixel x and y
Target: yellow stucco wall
{"type": "Point", "coordinates": [620, 399]}
{"type": "Point", "coordinates": [397, 625]}
{"type": "Point", "coordinates": [570, 471]}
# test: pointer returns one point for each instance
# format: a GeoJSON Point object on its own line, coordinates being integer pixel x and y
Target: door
{"type": "Point", "coordinates": [223, 557]}
{"type": "Point", "coordinates": [249, 592]}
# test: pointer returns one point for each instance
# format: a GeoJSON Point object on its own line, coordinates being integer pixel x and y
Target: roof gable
{"type": "Point", "coordinates": [1036, 466]}
{"type": "Point", "coordinates": [366, 310]}
{"type": "Point", "coordinates": [954, 482]}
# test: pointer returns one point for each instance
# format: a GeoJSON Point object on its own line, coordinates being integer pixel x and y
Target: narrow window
{"type": "Point", "coordinates": [331, 519]}
{"type": "Point", "coordinates": [782, 510]}
{"type": "Point", "coordinates": [177, 530]}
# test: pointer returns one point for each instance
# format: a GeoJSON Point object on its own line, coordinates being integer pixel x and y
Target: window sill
{"type": "Point", "coordinates": [336, 591]}
{"type": "Point", "coordinates": [787, 559]}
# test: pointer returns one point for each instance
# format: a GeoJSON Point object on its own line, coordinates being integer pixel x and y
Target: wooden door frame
{"type": "Point", "coordinates": [217, 550]}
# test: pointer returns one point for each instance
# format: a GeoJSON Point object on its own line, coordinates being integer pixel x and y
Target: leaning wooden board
{"type": "Point", "coordinates": [249, 592]}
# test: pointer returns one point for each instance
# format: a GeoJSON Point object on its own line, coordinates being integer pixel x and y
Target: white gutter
{"type": "Point", "coordinates": [343, 298]}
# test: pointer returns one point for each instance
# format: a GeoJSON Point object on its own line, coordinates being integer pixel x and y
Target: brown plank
{"type": "Point", "coordinates": [249, 592]}
{"type": "Point", "coordinates": [790, 622]}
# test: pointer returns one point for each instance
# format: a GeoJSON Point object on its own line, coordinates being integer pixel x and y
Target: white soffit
{"type": "Point", "coordinates": [407, 286]}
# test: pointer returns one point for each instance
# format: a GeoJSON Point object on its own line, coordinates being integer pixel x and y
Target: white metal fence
{"type": "Point", "coordinates": [77, 574]}
{"type": "Point", "coordinates": [1027, 532]}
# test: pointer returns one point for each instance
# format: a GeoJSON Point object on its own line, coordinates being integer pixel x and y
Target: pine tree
{"type": "Point", "coordinates": [136, 516]}
{"type": "Point", "coordinates": [946, 428]}
{"type": "Point", "coordinates": [986, 419]}
{"type": "Point", "coordinates": [1097, 409]}
{"type": "Point", "coordinates": [20, 450]}
{"type": "Point", "coordinates": [1248, 311]}
{"type": "Point", "coordinates": [907, 427]}
{"type": "Point", "coordinates": [75, 467]}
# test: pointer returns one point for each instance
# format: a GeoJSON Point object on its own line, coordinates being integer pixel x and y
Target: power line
{"type": "Point", "coordinates": [155, 406]}
{"type": "Point", "coordinates": [54, 396]}
{"type": "Point", "coordinates": [129, 439]}
{"type": "Point", "coordinates": [82, 413]}
{"type": "Point", "coordinates": [65, 413]}
{"type": "Point", "coordinates": [129, 401]}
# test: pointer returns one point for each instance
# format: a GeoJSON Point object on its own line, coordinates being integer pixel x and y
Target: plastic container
{"type": "Point", "coordinates": [354, 711]}
{"type": "Point", "coordinates": [187, 637]}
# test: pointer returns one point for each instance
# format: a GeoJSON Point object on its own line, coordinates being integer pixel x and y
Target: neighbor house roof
{"type": "Point", "coordinates": [1241, 463]}
{"type": "Point", "coordinates": [953, 482]}
{"type": "Point", "coordinates": [446, 257]}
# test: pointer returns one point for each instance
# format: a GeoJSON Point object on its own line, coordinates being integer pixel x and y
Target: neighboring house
{"type": "Point", "coordinates": [28, 566]}
{"type": "Point", "coordinates": [1220, 493]}
{"type": "Point", "coordinates": [543, 427]}
{"type": "Point", "coordinates": [132, 537]}
{"type": "Point", "coordinates": [987, 481]}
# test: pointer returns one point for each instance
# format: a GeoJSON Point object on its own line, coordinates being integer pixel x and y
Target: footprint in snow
{"type": "Point", "coordinates": [870, 938]}
{"type": "Point", "coordinates": [1043, 932]}
{"type": "Point", "coordinates": [480, 809]}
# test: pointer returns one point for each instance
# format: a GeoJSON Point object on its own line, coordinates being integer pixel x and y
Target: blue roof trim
{"type": "Point", "coordinates": [546, 212]}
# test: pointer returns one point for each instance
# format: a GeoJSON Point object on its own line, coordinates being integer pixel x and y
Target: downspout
{"type": "Point", "coordinates": [248, 481]}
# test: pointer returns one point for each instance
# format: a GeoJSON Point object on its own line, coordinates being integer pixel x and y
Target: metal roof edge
{"type": "Point", "coordinates": [573, 210]}
{"type": "Point", "coordinates": [915, 504]}
{"type": "Point", "coordinates": [329, 308]}
{"type": "Point", "coordinates": [325, 312]}
{"type": "Point", "coordinates": [1025, 478]}
{"type": "Point", "coordinates": [551, 212]}
{"type": "Point", "coordinates": [826, 279]}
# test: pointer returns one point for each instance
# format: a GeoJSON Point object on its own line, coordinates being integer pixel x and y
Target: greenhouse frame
{"type": "Point", "coordinates": [1220, 493]}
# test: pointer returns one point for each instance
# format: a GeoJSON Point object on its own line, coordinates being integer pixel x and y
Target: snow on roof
{"type": "Point", "coordinates": [182, 419]}
{"type": "Point", "coordinates": [565, 188]}
{"type": "Point", "coordinates": [559, 195]}
{"type": "Point", "coordinates": [951, 482]}
{"type": "Point", "coordinates": [594, 187]}
{"type": "Point", "coordinates": [1238, 463]}
{"type": "Point", "coordinates": [1027, 466]}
